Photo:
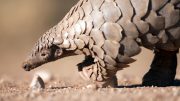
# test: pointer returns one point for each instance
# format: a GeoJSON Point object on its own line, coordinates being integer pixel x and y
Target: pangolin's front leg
{"type": "Point", "coordinates": [94, 73]}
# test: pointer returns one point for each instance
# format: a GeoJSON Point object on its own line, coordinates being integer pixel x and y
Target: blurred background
{"type": "Point", "coordinates": [22, 22]}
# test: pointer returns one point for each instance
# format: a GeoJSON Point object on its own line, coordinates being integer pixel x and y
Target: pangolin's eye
{"type": "Point", "coordinates": [43, 54]}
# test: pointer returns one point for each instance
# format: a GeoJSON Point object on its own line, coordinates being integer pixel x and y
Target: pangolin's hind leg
{"type": "Point", "coordinates": [95, 74]}
{"type": "Point", "coordinates": [163, 69]}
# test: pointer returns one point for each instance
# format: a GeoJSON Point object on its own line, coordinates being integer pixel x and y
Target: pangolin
{"type": "Point", "coordinates": [109, 33]}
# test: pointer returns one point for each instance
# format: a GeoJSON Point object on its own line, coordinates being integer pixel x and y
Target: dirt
{"type": "Point", "coordinates": [61, 90]}
{"type": "Point", "coordinates": [68, 86]}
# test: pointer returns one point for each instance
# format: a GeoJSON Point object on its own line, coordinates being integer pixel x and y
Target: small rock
{"type": "Point", "coordinates": [45, 75]}
{"type": "Point", "coordinates": [37, 83]}
{"type": "Point", "coordinates": [92, 86]}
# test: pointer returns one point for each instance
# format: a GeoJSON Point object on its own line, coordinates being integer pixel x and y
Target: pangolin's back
{"type": "Point", "coordinates": [113, 30]}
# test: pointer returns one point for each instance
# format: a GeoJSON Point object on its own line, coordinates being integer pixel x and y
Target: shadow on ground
{"type": "Point", "coordinates": [175, 84]}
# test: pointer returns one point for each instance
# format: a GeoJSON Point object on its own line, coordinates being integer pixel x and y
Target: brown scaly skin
{"type": "Point", "coordinates": [109, 33]}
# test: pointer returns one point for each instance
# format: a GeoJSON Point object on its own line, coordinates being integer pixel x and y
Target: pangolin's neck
{"type": "Point", "coordinates": [46, 40]}
{"type": "Point", "coordinates": [72, 38]}
{"type": "Point", "coordinates": [72, 33]}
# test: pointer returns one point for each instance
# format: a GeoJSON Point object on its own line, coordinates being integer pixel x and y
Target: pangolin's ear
{"type": "Point", "coordinates": [58, 52]}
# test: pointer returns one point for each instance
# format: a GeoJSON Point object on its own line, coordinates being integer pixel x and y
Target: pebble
{"type": "Point", "coordinates": [92, 86]}
{"type": "Point", "coordinates": [45, 75]}
{"type": "Point", "coordinates": [37, 83]}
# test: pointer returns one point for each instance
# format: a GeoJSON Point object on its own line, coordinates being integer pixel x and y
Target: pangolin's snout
{"type": "Point", "coordinates": [27, 67]}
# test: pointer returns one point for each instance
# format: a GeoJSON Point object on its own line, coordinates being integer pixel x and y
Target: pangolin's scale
{"type": "Point", "coordinates": [112, 31]}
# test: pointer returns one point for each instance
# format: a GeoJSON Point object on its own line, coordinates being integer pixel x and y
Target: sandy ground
{"type": "Point", "coordinates": [67, 85]}
{"type": "Point", "coordinates": [22, 22]}
{"type": "Point", "coordinates": [61, 90]}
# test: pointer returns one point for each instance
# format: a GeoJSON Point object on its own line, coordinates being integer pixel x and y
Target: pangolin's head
{"type": "Point", "coordinates": [42, 56]}
{"type": "Point", "coordinates": [45, 50]}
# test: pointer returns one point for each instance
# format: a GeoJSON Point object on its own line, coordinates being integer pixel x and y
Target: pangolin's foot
{"type": "Point", "coordinates": [96, 75]}
{"type": "Point", "coordinates": [110, 83]}
{"type": "Point", "coordinates": [163, 69]}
